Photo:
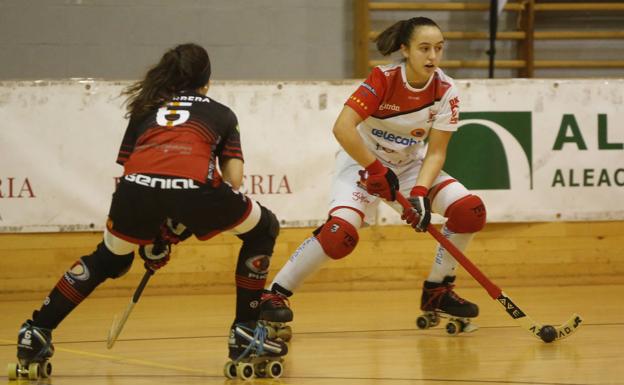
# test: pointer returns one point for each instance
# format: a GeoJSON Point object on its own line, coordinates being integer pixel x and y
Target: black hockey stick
{"type": "Point", "coordinates": [536, 329]}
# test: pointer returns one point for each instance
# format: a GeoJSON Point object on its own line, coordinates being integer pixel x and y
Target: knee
{"type": "Point", "coordinates": [467, 215]}
{"type": "Point", "coordinates": [337, 237]}
{"type": "Point", "coordinates": [262, 237]}
{"type": "Point", "coordinates": [108, 264]}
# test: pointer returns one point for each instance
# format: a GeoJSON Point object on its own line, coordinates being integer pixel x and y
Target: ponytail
{"type": "Point", "coordinates": [184, 67]}
{"type": "Point", "coordinates": [399, 33]}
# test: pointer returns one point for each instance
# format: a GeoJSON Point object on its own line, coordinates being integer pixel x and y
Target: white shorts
{"type": "Point", "coordinates": [346, 192]}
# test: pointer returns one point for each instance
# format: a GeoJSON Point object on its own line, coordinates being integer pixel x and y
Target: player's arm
{"type": "Point", "coordinates": [127, 143]}
{"type": "Point", "coordinates": [232, 171]}
{"type": "Point", "coordinates": [435, 157]}
{"type": "Point", "coordinates": [345, 131]}
{"type": "Point", "coordinates": [378, 180]}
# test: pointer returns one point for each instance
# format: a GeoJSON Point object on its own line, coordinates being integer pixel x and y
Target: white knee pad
{"type": "Point", "coordinates": [348, 215]}
{"type": "Point", "coordinates": [250, 222]}
{"type": "Point", "coordinates": [117, 245]}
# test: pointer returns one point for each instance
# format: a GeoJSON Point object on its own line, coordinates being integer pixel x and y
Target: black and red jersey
{"type": "Point", "coordinates": [184, 138]}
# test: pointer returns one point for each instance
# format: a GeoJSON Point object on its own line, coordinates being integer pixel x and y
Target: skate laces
{"type": "Point", "coordinates": [451, 293]}
{"type": "Point", "coordinates": [436, 295]}
{"type": "Point", "coordinates": [275, 299]}
{"type": "Point", "coordinates": [257, 343]}
{"type": "Point", "coordinates": [454, 295]}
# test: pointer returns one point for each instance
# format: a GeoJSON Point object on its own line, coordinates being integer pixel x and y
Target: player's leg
{"type": "Point", "coordinates": [217, 209]}
{"type": "Point", "coordinates": [111, 258]}
{"type": "Point", "coordinates": [74, 286]}
{"type": "Point", "coordinates": [465, 215]}
{"type": "Point", "coordinates": [335, 239]}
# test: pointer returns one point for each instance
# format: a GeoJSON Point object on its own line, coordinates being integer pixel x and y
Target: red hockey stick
{"type": "Point", "coordinates": [495, 292]}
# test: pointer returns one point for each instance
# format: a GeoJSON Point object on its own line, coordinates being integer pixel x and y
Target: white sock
{"type": "Point", "coordinates": [444, 263]}
{"type": "Point", "coordinates": [305, 261]}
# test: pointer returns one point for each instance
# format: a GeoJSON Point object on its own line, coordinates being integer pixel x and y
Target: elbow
{"type": "Point", "coordinates": [340, 131]}
{"type": "Point", "coordinates": [336, 130]}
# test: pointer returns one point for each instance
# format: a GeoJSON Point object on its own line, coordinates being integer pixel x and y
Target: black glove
{"type": "Point", "coordinates": [419, 215]}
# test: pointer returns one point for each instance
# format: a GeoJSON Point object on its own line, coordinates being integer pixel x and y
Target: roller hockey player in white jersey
{"type": "Point", "coordinates": [394, 131]}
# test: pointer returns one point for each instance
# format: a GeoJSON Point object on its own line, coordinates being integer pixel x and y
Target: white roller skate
{"type": "Point", "coordinates": [253, 354]}
{"type": "Point", "coordinates": [34, 348]}
{"type": "Point", "coordinates": [440, 301]}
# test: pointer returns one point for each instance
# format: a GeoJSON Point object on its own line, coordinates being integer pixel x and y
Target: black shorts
{"type": "Point", "coordinates": [139, 209]}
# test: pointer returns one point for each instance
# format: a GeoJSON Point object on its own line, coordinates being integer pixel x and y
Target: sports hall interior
{"type": "Point", "coordinates": [354, 319]}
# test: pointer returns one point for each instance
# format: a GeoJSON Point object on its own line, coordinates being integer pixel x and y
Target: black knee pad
{"type": "Point", "coordinates": [91, 270]}
{"type": "Point", "coordinates": [261, 239]}
{"type": "Point", "coordinates": [108, 265]}
{"type": "Point", "coordinates": [255, 253]}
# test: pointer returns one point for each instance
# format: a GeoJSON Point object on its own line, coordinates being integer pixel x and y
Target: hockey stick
{"type": "Point", "coordinates": [562, 331]}
{"type": "Point", "coordinates": [118, 325]}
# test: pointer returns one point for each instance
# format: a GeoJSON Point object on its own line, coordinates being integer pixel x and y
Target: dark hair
{"type": "Point", "coordinates": [391, 38]}
{"type": "Point", "coordinates": [184, 67]}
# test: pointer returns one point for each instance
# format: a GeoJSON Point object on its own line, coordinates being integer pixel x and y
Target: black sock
{"type": "Point", "coordinates": [73, 287]}
{"type": "Point", "coordinates": [251, 273]}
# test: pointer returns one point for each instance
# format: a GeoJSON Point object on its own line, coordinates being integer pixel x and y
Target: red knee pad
{"type": "Point", "coordinates": [337, 237]}
{"type": "Point", "coordinates": [466, 215]}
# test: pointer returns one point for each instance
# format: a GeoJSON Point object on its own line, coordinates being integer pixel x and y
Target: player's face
{"type": "Point", "coordinates": [423, 54]}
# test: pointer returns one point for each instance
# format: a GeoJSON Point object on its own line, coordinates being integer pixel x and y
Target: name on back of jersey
{"type": "Point", "coordinates": [192, 98]}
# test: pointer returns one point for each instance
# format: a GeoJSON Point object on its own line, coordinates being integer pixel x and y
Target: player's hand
{"type": "Point", "coordinates": [174, 232]}
{"type": "Point", "coordinates": [419, 215]}
{"type": "Point", "coordinates": [381, 181]}
{"type": "Point", "coordinates": [155, 255]}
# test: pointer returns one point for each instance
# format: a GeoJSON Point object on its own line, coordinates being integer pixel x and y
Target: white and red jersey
{"type": "Point", "coordinates": [398, 117]}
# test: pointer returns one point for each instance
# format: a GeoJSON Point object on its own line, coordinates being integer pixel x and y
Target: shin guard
{"type": "Point", "coordinates": [78, 282]}
{"type": "Point", "coordinates": [253, 265]}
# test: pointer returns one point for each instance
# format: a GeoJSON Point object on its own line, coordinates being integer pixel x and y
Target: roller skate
{"type": "Point", "coordinates": [440, 301]}
{"type": "Point", "coordinates": [34, 348]}
{"type": "Point", "coordinates": [275, 311]}
{"type": "Point", "coordinates": [252, 353]}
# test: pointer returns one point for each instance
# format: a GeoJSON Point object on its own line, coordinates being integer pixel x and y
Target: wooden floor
{"type": "Point", "coordinates": [341, 338]}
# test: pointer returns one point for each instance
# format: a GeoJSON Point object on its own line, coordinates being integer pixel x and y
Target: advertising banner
{"type": "Point", "coordinates": [534, 150]}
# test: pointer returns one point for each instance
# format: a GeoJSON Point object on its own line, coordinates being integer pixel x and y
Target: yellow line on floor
{"type": "Point", "coordinates": [114, 357]}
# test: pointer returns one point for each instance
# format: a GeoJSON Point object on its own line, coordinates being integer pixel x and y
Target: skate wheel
{"type": "Point", "coordinates": [33, 371]}
{"type": "Point", "coordinates": [274, 369]}
{"type": "Point", "coordinates": [469, 327]}
{"type": "Point", "coordinates": [245, 370]}
{"type": "Point", "coordinates": [285, 333]}
{"type": "Point", "coordinates": [434, 320]}
{"type": "Point", "coordinates": [271, 331]}
{"type": "Point", "coordinates": [453, 327]}
{"type": "Point", "coordinates": [229, 370]}
{"type": "Point", "coordinates": [422, 322]}
{"type": "Point", "coordinates": [46, 369]}
{"type": "Point", "coordinates": [12, 371]}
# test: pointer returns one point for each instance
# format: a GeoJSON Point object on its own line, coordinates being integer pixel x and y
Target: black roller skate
{"type": "Point", "coordinates": [275, 311]}
{"type": "Point", "coordinates": [34, 348]}
{"type": "Point", "coordinates": [440, 301]}
{"type": "Point", "coordinates": [252, 353]}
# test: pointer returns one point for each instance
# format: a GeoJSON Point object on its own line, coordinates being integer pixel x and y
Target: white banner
{"type": "Point", "coordinates": [534, 150]}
